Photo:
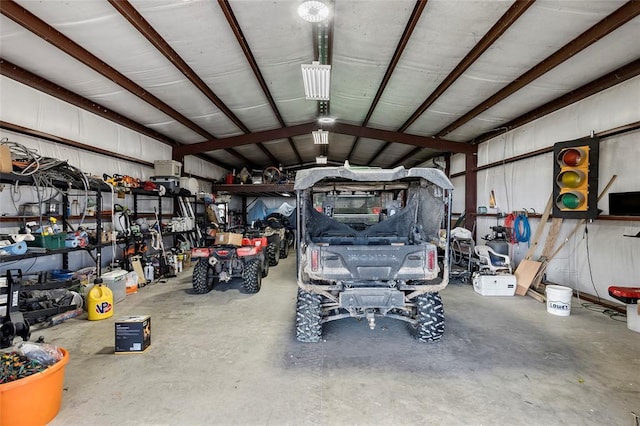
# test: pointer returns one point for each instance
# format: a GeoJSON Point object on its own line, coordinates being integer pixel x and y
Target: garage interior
{"type": "Point", "coordinates": [136, 134]}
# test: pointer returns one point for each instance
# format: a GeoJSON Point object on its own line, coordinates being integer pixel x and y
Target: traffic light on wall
{"type": "Point", "coordinates": [575, 174]}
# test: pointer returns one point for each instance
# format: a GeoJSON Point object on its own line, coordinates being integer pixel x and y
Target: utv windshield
{"type": "Point", "coordinates": [350, 208]}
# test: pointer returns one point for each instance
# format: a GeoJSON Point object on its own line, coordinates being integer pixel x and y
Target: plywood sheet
{"type": "Point", "coordinates": [525, 274]}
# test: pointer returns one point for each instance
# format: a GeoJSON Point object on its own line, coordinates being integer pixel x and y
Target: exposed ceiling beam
{"type": "Point", "coordinates": [404, 40]}
{"type": "Point", "coordinates": [15, 72]}
{"type": "Point", "coordinates": [616, 19]}
{"type": "Point", "coordinates": [505, 21]}
{"type": "Point", "coordinates": [242, 41]}
{"type": "Point", "coordinates": [37, 26]}
{"type": "Point", "coordinates": [266, 152]}
{"type": "Point", "coordinates": [30, 79]}
{"type": "Point", "coordinates": [499, 28]}
{"type": "Point", "coordinates": [410, 155]}
{"type": "Point", "coordinates": [611, 79]}
{"type": "Point", "coordinates": [342, 128]}
{"type": "Point", "coordinates": [144, 27]}
{"type": "Point", "coordinates": [68, 142]}
{"type": "Point", "coordinates": [405, 138]}
{"type": "Point", "coordinates": [323, 51]}
{"type": "Point", "coordinates": [251, 138]}
{"type": "Point", "coordinates": [34, 24]}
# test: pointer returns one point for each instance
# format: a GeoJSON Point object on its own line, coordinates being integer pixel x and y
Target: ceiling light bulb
{"type": "Point", "coordinates": [326, 120]}
{"type": "Point", "coordinates": [313, 11]}
{"type": "Point", "coordinates": [321, 159]}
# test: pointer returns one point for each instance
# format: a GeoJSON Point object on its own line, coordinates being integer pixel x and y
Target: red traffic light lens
{"type": "Point", "coordinates": [572, 157]}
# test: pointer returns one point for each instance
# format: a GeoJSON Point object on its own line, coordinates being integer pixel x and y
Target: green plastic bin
{"type": "Point", "coordinates": [51, 242]}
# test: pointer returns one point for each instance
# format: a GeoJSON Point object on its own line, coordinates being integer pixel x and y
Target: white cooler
{"type": "Point", "coordinates": [117, 282]}
{"type": "Point", "coordinates": [494, 285]}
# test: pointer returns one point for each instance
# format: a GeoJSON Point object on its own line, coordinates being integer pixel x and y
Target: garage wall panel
{"type": "Point", "coordinates": [27, 107]}
{"type": "Point", "coordinates": [610, 257]}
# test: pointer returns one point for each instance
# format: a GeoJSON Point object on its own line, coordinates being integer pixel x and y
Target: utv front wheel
{"type": "Point", "coordinates": [202, 277]}
{"type": "Point", "coordinates": [430, 317]}
{"type": "Point", "coordinates": [308, 327]}
{"type": "Point", "coordinates": [252, 276]}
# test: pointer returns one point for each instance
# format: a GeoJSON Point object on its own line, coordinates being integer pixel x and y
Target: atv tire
{"type": "Point", "coordinates": [265, 268]}
{"type": "Point", "coordinates": [308, 327]}
{"type": "Point", "coordinates": [202, 277]}
{"type": "Point", "coordinates": [273, 253]}
{"type": "Point", "coordinates": [430, 318]}
{"type": "Point", "coordinates": [284, 250]}
{"type": "Point", "coordinates": [252, 276]}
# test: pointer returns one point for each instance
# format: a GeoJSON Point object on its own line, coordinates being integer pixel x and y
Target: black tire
{"type": "Point", "coordinates": [308, 327]}
{"type": "Point", "coordinates": [265, 268]}
{"type": "Point", "coordinates": [274, 254]}
{"type": "Point", "coordinates": [252, 276]}
{"type": "Point", "coordinates": [284, 250]}
{"type": "Point", "coordinates": [202, 277]}
{"type": "Point", "coordinates": [430, 318]}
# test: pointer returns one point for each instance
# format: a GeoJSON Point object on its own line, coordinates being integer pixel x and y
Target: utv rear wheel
{"type": "Point", "coordinates": [430, 317]}
{"type": "Point", "coordinates": [274, 254]}
{"type": "Point", "coordinates": [252, 276]}
{"type": "Point", "coordinates": [308, 327]}
{"type": "Point", "coordinates": [202, 277]}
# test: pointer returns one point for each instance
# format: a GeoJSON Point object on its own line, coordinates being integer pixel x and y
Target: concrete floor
{"type": "Point", "coordinates": [231, 358]}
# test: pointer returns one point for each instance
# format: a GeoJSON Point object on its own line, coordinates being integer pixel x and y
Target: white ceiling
{"type": "Point", "coordinates": [363, 36]}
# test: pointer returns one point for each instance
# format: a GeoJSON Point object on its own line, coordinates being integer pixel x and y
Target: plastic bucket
{"type": "Point", "coordinates": [633, 318]}
{"type": "Point", "coordinates": [33, 400]}
{"type": "Point", "coordinates": [99, 302]}
{"type": "Point", "coordinates": [559, 300]}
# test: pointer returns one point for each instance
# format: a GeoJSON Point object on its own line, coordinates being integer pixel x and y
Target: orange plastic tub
{"type": "Point", "coordinates": [34, 400]}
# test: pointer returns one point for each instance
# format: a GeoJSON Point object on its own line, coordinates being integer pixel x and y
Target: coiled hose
{"type": "Point", "coordinates": [521, 228]}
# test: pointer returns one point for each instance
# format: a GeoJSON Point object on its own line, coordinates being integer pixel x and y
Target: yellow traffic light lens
{"type": "Point", "coordinates": [571, 200]}
{"type": "Point", "coordinates": [571, 179]}
{"type": "Point", "coordinates": [572, 157]}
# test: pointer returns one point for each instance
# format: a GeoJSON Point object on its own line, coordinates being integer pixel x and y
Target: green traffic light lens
{"type": "Point", "coordinates": [571, 201]}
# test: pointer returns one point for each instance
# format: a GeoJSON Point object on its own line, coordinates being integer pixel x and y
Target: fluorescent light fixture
{"type": "Point", "coordinates": [317, 80]}
{"type": "Point", "coordinates": [313, 11]}
{"type": "Point", "coordinates": [321, 159]}
{"type": "Point", "coordinates": [320, 137]}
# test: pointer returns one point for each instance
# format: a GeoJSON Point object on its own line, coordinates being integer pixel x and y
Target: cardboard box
{"type": "Point", "coordinates": [6, 165]}
{"type": "Point", "coordinates": [494, 285]}
{"type": "Point", "coordinates": [228, 238]}
{"type": "Point", "coordinates": [167, 168]}
{"type": "Point", "coordinates": [133, 334]}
